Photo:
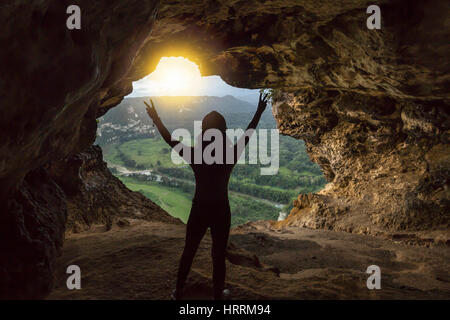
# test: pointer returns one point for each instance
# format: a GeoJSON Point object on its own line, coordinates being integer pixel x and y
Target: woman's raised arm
{"type": "Point", "coordinates": [239, 147]}
{"type": "Point", "coordinates": [165, 134]}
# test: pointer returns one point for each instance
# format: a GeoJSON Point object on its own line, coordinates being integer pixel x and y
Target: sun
{"type": "Point", "coordinates": [175, 76]}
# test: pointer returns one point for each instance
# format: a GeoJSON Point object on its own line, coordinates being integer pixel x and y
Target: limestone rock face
{"type": "Point", "coordinates": [31, 236]}
{"type": "Point", "coordinates": [95, 196]}
{"type": "Point", "coordinates": [372, 105]}
{"type": "Point", "coordinates": [386, 174]}
{"type": "Point", "coordinates": [53, 83]}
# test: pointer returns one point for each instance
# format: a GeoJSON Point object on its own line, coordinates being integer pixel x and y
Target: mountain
{"type": "Point", "coordinates": [251, 98]}
{"type": "Point", "coordinates": [129, 119]}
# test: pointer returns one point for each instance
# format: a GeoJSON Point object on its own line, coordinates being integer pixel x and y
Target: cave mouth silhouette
{"type": "Point", "coordinates": [192, 97]}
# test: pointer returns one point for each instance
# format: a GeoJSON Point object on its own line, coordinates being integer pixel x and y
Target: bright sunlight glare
{"type": "Point", "coordinates": [178, 76]}
{"type": "Point", "coordinates": [175, 76]}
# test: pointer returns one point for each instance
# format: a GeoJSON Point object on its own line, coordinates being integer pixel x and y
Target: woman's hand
{"type": "Point", "coordinates": [151, 111]}
{"type": "Point", "coordinates": [262, 103]}
{"type": "Point", "coordinates": [165, 134]}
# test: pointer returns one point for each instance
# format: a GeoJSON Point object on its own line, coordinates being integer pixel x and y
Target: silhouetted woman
{"type": "Point", "coordinates": [210, 206]}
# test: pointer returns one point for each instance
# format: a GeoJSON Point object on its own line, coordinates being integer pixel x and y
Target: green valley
{"type": "Point", "coordinates": [142, 160]}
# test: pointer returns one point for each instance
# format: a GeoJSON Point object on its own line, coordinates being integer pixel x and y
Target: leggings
{"type": "Point", "coordinates": [201, 217]}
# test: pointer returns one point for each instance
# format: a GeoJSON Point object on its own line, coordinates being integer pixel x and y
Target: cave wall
{"type": "Point", "coordinates": [53, 83]}
{"type": "Point", "coordinates": [372, 105]}
{"type": "Point", "coordinates": [387, 162]}
{"type": "Point", "coordinates": [32, 231]}
{"type": "Point", "coordinates": [95, 196]}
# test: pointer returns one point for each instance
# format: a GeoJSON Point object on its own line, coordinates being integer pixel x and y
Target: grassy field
{"type": "Point", "coordinates": [148, 153]}
{"type": "Point", "coordinates": [178, 203]}
{"type": "Point", "coordinates": [246, 182]}
{"type": "Point", "coordinates": [175, 202]}
{"type": "Point", "coordinates": [154, 152]}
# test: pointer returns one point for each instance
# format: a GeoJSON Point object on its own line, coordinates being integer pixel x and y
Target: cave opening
{"type": "Point", "coordinates": [371, 105]}
{"type": "Point", "coordinates": [136, 153]}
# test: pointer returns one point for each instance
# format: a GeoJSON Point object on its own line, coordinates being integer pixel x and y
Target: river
{"type": "Point", "coordinates": [126, 172]}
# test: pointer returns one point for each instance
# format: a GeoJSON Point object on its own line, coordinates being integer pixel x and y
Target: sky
{"type": "Point", "coordinates": [177, 76]}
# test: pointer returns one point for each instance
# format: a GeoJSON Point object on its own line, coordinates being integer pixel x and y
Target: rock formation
{"type": "Point", "coordinates": [372, 105]}
{"type": "Point", "coordinates": [387, 162]}
{"type": "Point", "coordinates": [95, 196]}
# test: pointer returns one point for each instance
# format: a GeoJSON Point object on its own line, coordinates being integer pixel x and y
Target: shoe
{"type": "Point", "coordinates": [224, 295]}
{"type": "Point", "coordinates": [176, 295]}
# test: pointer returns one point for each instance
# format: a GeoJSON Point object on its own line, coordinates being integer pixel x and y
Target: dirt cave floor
{"type": "Point", "coordinates": [140, 261]}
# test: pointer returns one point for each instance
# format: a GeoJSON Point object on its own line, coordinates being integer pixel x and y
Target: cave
{"type": "Point", "coordinates": [372, 106]}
